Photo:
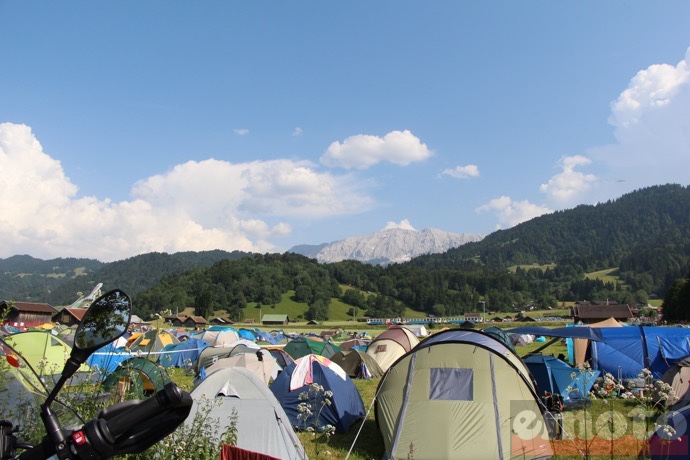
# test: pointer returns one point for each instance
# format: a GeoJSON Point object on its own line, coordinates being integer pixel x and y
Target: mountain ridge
{"type": "Point", "coordinates": [391, 245]}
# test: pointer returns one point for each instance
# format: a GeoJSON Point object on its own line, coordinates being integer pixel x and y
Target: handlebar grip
{"type": "Point", "coordinates": [39, 452]}
{"type": "Point", "coordinates": [167, 398]}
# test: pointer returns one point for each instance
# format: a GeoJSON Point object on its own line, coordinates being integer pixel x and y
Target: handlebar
{"type": "Point", "coordinates": [128, 427]}
{"type": "Point", "coordinates": [121, 423]}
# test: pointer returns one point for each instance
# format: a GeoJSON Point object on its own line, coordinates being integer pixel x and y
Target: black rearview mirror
{"type": "Point", "coordinates": [106, 319]}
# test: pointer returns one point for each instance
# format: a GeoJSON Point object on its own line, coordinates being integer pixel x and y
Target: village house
{"type": "Point", "coordinates": [176, 320]}
{"type": "Point", "coordinates": [25, 315]}
{"type": "Point", "coordinates": [585, 313]}
{"type": "Point", "coordinates": [69, 316]}
{"type": "Point", "coordinates": [194, 322]}
{"type": "Point", "coordinates": [275, 319]}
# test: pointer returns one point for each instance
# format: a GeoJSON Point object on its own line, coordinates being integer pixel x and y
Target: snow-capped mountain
{"type": "Point", "coordinates": [393, 245]}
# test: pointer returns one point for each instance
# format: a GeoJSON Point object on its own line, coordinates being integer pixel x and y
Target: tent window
{"type": "Point", "coordinates": [451, 384]}
{"type": "Point", "coordinates": [380, 348]}
{"type": "Point", "coordinates": [144, 342]}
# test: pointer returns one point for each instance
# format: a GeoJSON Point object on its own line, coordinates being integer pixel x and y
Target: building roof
{"type": "Point", "coordinates": [31, 307]}
{"type": "Point", "coordinates": [598, 312]}
{"type": "Point", "coordinates": [180, 318]}
{"type": "Point", "coordinates": [197, 319]}
{"type": "Point", "coordinates": [222, 320]}
{"type": "Point", "coordinates": [274, 318]}
{"type": "Point", "coordinates": [76, 313]}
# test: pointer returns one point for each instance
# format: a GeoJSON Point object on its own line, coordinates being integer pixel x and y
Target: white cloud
{"type": "Point", "coordinates": [651, 89]}
{"type": "Point", "coordinates": [362, 151]}
{"type": "Point", "coordinates": [403, 224]}
{"type": "Point", "coordinates": [651, 120]}
{"type": "Point", "coordinates": [241, 131]}
{"type": "Point", "coordinates": [462, 172]}
{"type": "Point", "coordinates": [203, 205]}
{"type": "Point", "coordinates": [297, 131]}
{"type": "Point", "coordinates": [511, 213]}
{"type": "Point", "coordinates": [566, 185]}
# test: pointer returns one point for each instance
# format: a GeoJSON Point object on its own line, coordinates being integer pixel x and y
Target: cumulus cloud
{"type": "Point", "coordinates": [241, 131]}
{"type": "Point", "coordinates": [196, 206]}
{"type": "Point", "coordinates": [462, 172]}
{"type": "Point", "coordinates": [363, 151]}
{"type": "Point", "coordinates": [651, 120]}
{"type": "Point", "coordinates": [566, 185]}
{"type": "Point", "coordinates": [403, 224]}
{"type": "Point", "coordinates": [652, 128]}
{"type": "Point", "coordinates": [651, 89]}
{"type": "Point", "coordinates": [297, 131]}
{"type": "Point", "coordinates": [510, 212]}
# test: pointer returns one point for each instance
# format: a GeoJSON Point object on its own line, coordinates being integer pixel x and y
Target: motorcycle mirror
{"type": "Point", "coordinates": [106, 320]}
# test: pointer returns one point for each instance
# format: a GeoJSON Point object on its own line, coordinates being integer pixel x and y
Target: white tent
{"type": "Point", "coordinates": [390, 345]}
{"type": "Point", "coordinates": [262, 425]}
{"type": "Point", "coordinates": [266, 368]}
{"type": "Point", "coordinates": [222, 338]}
{"type": "Point", "coordinates": [418, 329]}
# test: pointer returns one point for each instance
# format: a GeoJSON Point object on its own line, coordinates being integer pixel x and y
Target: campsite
{"type": "Point", "coordinates": [398, 395]}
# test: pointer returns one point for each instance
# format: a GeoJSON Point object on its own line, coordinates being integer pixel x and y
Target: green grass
{"type": "Point", "coordinates": [541, 267]}
{"type": "Point", "coordinates": [337, 310]}
{"type": "Point", "coordinates": [610, 275]}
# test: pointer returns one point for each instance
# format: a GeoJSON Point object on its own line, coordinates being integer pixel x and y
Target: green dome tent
{"type": "Point", "coordinates": [45, 352]}
{"type": "Point", "coordinates": [460, 394]}
{"type": "Point", "coordinates": [302, 346]}
{"type": "Point", "coordinates": [137, 377]}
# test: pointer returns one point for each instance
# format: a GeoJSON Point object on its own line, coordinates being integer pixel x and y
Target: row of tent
{"type": "Point", "coordinates": [456, 393]}
{"type": "Point", "coordinates": [268, 415]}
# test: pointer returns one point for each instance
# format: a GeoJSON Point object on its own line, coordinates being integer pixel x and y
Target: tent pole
{"type": "Point", "coordinates": [550, 342]}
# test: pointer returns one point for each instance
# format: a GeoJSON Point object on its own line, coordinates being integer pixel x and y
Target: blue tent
{"type": "Point", "coordinates": [625, 351]}
{"type": "Point", "coordinates": [272, 338]}
{"type": "Point", "coordinates": [556, 376]}
{"type": "Point", "coordinates": [107, 358]}
{"type": "Point", "coordinates": [346, 406]}
{"type": "Point", "coordinates": [247, 334]}
{"type": "Point", "coordinates": [182, 354]}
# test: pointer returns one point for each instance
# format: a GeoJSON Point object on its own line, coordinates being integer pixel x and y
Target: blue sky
{"type": "Point", "coordinates": [129, 127]}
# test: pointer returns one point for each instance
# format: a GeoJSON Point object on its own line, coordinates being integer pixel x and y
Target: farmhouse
{"type": "Point", "coordinates": [187, 321]}
{"type": "Point", "coordinates": [587, 314]}
{"type": "Point", "coordinates": [275, 319]}
{"type": "Point", "coordinates": [25, 315]}
{"type": "Point", "coordinates": [69, 316]}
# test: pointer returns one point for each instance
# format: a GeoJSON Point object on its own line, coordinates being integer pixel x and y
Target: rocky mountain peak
{"type": "Point", "coordinates": [391, 245]}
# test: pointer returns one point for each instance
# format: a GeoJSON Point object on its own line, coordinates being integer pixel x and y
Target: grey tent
{"type": "Point", "coordinates": [678, 377]}
{"type": "Point", "coordinates": [357, 364]}
{"type": "Point", "coordinates": [262, 425]}
{"type": "Point", "coordinates": [210, 355]}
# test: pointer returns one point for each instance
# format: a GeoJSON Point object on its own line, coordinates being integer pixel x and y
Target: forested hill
{"type": "Point", "coordinates": [641, 239]}
{"type": "Point", "coordinates": [58, 281]}
{"type": "Point", "coordinates": [641, 229]}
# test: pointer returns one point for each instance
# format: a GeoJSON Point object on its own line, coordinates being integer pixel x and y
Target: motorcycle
{"type": "Point", "coordinates": [128, 427]}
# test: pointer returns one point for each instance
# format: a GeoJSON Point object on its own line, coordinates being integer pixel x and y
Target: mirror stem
{"type": "Point", "coordinates": [71, 366]}
{"type": "Point", "coordinates": [53, 430]}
